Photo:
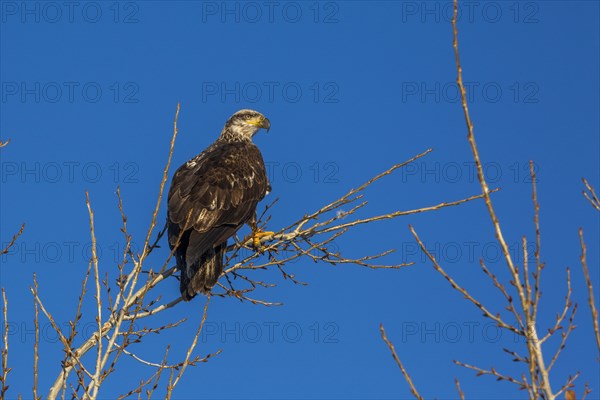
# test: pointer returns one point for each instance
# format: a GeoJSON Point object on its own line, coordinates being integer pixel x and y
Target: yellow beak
{"type": "Point", "coordinates": [262, 122]}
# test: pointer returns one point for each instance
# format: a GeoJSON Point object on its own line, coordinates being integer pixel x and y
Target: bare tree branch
{"type": "Point", "coordinates": [531, 333]}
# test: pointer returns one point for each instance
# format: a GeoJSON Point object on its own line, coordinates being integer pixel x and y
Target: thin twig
{"type": "Point", "coordinates": [564, 337]}
{"type": "Point", "coordinates": [190, 350]}
{"type": "Point", "coordinates": [569, 384]}
{"type": "Point", "coordinates": [501, 377]}
{"type": "Point", "coordinates": [461, 394]}
{"type": "Point", "coordinates": [389, 344]}
{"type": "Point", "coordinates": [591, 196]}
{"type": "Point", "coordinates": [36, 323]}
{"type": "Point", "coordinates": [538, 243]}
{"type": "Point", "coordinates": [96, 378]}
{"type": "Point", "coordinates": [591, 301]}
{"type": "Point", "coordinates": [156, 310]}
{"type": "Point", "coordinates": [73, 355]}
{"type": "Point", "coordinates": [508, 297]}
{"type": "Point", "coordinates": [5, 368]}
{"type": "Point", "coordinates": [13, 240]}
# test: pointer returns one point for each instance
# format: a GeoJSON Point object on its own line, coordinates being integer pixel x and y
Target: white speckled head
{"type": "Point", "coordinates": [243, 125]}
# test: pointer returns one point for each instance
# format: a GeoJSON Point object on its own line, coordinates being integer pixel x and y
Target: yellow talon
{"type": "Point", "coordinates": [257, 235]}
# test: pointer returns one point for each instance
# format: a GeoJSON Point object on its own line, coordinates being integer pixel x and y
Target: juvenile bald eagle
{"type": "Point", "coordinates": [211, 197]}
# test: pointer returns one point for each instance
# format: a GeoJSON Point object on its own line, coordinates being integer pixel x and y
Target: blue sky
{"type": "Point", "coordinates": [89, 92]}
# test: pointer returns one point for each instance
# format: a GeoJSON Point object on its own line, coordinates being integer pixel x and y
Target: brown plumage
{"type": "Point", "coordinates": [211, 197]}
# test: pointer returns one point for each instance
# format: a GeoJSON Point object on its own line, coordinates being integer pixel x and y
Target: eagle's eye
{"type": "Point", "coordinates": [247, 116]}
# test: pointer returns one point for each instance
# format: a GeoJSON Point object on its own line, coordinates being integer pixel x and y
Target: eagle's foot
{"type": "Point", "coordinates": [257, 235]}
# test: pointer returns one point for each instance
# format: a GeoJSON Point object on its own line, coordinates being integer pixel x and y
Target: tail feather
{"type": "Point", "coordinates": [203, 274]}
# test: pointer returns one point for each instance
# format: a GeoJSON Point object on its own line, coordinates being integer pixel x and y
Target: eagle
{"type": "Point", "coordinates": [211, 197]}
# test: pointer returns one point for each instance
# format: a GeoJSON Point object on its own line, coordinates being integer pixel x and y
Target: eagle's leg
{"type": "Point", "coordinates": [258, 234]}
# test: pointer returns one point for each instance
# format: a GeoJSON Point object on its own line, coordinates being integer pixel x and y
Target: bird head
{"type": "Point", "coordinates": [244, 124]}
